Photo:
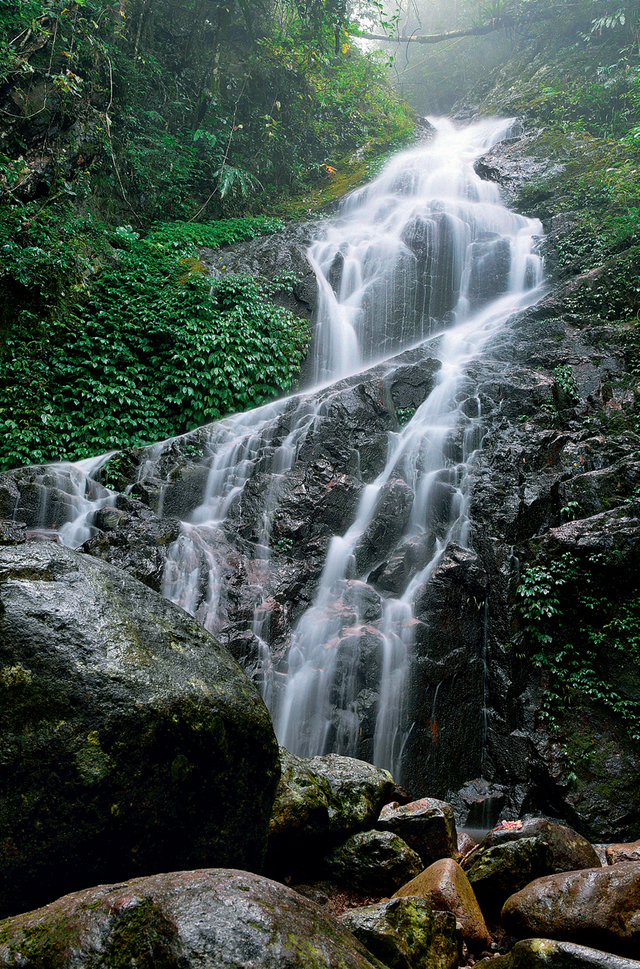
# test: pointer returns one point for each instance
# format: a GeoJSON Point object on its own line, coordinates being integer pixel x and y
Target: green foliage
{"type": "Point", "coordinates": [567, 383]}
{"type": "Point", "coordinates": [404, 415]}
{"type": "Point", "coordinates": [144, 349]}
{"type": "Point", "coordinates": [582, 636]}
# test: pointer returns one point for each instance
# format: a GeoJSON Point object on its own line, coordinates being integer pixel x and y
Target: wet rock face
{"type": "Point", "coordinates": [131, 739]}
{"type": "Point", "coordinates": [184, 920]}
{"type": "Point", "coordinates": [596, 907]}
{"type": "Point", "coordinates": [273, 255]}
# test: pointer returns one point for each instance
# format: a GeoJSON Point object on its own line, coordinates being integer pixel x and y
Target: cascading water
{"type": "Point", "coordinates": [428, 243]}
{"type": "Point", "coordinates": [425, 254]}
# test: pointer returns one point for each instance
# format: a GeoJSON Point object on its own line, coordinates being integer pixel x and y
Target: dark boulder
{"type": "Point", "coordinates": [131, 740]}
{"type": "Point", "coordinates": [570, 851]}
{"type": "Point", "coordinates": [427, 826]}
{"type": "Point", "coordinates": [548, 954]}
{"type": "Point", "coordinates": [375, 862]}
{"type": "Point", "coordinates": [506, 868]}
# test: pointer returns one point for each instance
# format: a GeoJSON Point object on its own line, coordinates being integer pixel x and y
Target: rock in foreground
{"type": "Point", "coordinates": [406, 934]}
{"type": "Point", "coordinates": [445, 887]}
{"type": "Point", "coordinates": [131, 740]}
{"type": "Point", "coordinates": [598, 907]}
{"type": "Point", "coordinates": [547, 954]}
{"type": "Point", "coordinates": [208, 919]}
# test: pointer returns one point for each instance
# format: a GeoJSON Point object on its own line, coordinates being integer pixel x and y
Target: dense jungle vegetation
{"type": "Point", "coordinates": [131, 133]}
{"type": "Point", "coordinates": [134, 131]}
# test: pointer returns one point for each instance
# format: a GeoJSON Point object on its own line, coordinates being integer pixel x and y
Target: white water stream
{"type": "Point", "coordinates": [427, 252]}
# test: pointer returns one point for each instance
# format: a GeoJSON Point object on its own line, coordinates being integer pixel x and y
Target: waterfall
{"type": "Point", "coordinates": [428, 244]}
{"type": "Point", "coordinates": [426, 255]}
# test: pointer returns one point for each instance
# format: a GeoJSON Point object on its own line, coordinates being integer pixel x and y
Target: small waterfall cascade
{"type": "Point", "coordinates": [425, 256]}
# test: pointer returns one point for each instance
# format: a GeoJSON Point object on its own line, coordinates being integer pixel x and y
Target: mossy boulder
{"type": "Point", "coordinates": [445, 887]}
{"type": "Point", "coordinates": [319, 802]}
{"type": "Point", "coordinates": [375, 862]}
{"type": "Point", "coordinates": [202, 919]}
{"type": "Point", "coordinates": [131, 740]}
{"type": "Point", "coordinates": [406, 934]}
{"type": "Point", "coordinates": [548, 954]}
{"type": "Point", "coordinates": [570, 851]}
{"type": "Point", "coordinates": [504, 869]}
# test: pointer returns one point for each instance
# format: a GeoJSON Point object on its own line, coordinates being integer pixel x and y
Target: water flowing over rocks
{"type": "Point", "coordinates": [131, 740]}
{"type": "Point", "coordinates": [207, 919]}
{"type": "Point", "coordinates": [358, 548]}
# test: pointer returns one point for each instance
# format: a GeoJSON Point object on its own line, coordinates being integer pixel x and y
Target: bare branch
{"type": "Point", "coordinates": [498, 23]}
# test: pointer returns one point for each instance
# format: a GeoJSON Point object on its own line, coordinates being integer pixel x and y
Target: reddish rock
{"type": "Point", "coordinates": [427, 826]}
{"type": "Point", "coordinates": [447, 889]}
{"type": "Point", "coordinates": [624, 852]}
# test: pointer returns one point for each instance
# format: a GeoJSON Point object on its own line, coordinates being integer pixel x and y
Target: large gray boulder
{"type": "Point", "coordinates": [598, 907]}
{"type": "Point", "coordinates": [131, 740]}
{"type": "Point", "coordinates": [207, 919]}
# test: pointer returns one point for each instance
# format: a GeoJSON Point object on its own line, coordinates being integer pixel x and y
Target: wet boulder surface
{"type": "Point", "coordinates": [405, 933]}
{"type": "Point", "coordinates": [319, 802]}
{"type": "Point", "coordinates": [569, 850]}
{"type": "Point", "coordinates": [597, 907]}
{"type": "Point", "coordinates": [445, 887]}
{"type": "Point", "coordinates": [500, 871]}
{"type": "Point", "coordinates": [548, 954]}
{"type": "Point", "coordinates": [203, 919]}
{"type": "Point", "coordinates": [131, 740]}
{"type": "Point", "coordinates": [428, 826]}
{"type": "Point", "coordinates": [377, 862]}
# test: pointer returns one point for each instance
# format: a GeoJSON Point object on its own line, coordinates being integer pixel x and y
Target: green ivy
{"type": "Point", "coordinates": [142, 347]}
{"type": "Point", "coordinates": [574, 631]}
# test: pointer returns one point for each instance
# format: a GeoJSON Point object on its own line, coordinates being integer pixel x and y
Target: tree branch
{"type": "Point", "coordinates": [498, 23]}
